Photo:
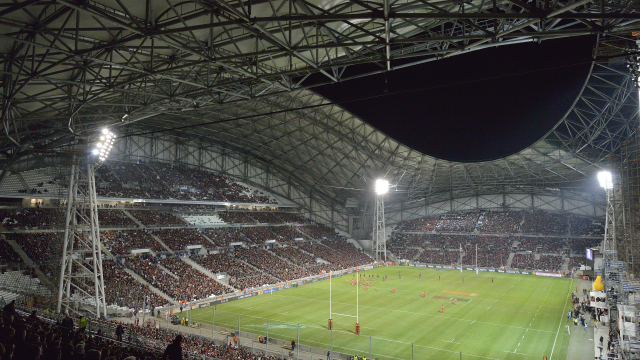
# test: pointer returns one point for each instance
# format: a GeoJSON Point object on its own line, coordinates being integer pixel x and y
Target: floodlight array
{"type": "Point", "coordinates": [105, 143]}
{"type": "Point", "coordinates": [604, 177]}
{"type": "Point", "coordinates": [382, 186]}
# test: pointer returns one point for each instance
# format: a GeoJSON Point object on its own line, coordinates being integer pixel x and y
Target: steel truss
{"type": "Point", "coordinates": [80, 64]}
{"type": "Point", "coordinates": [379, 242]}
{"type": "Point", "coordinates": [81, 285]}
{"type": "Point", "coordinates": [244, 68]}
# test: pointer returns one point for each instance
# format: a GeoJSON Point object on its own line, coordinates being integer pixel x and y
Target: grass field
{"type": "Point", "coordinates": [516, 317]}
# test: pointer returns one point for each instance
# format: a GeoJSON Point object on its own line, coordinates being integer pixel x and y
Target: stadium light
{"type": "Point", "coordinates": [382, 187]}
{"type": "Point", "coordinates": [105, 144]}
{"type": "Point", "coordinates": [604, 177]}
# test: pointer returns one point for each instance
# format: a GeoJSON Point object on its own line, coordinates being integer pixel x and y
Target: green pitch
{"type": "Point", "coordinates": [516, 317]}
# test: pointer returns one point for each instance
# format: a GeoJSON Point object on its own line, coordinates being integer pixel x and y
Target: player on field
{"type": "Point", "coordinates": [438, 277]}
{"type": "Point", "coordinates": [443, 309]}
{"type": "Point", "coordinates": [420, 276]}
{"type": "Point", "coordinates": [376, 287]}
{"type": "Point", "coordinates": [394, 290]}
{"type": "Point", "coordinates": [492, 280]}
{"type": "Point", "coordinates": [455, 301]}
{"type": "Point", "coordinates": [423, 294]}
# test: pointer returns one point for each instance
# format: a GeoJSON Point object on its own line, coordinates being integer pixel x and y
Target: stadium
{"type": "Point", "coordinates": [320, 179]}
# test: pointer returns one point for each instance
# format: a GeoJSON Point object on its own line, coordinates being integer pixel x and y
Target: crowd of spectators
{"type": "Point", "coordinates": [460, 222]}
{"type": "Point", "coordinates": [236, 217]}
{"type": "Point", "coordinates": [258, 234]}
{"type": "Point", "coordinates": [46, 336]}
{"type": "Point", "coordinates": [487, 258]}
{"type": "Point", "coordinates": [295, 255]}
{"type": "Point", "coordinates": [225, 236]}
{"type": "Point", "coordinates": [157, 218]}
{"type": "Point", "coordinates": [32, 217]}
{"type": "Point", "coordinates": [188, 284]}
{"type": "Point", "coordinates": [122, 289]}
{"type": "Point", "coordinates": [7, 254]}
{"type": "Point", "coordinates": [193, 283]}
{"type": "Point", "coordinates": [576, 261]}
{"type": "Point", "coordinates": [540, 244]}
{"type": "Point", "coordinates": [43, 248]}
{"type": "Point", "coordinates": [179, 239]}
{"type": "Point", "coordinates": [270, 264]}
{"type": "Point", "coordinates": [579, 245]}
{"type": "Point", "coordinates": [225, 263]}
{"type": "Point", "coordinates": [545, 263]}
{"type": "Point", "coordinates": [545, 223]}
{"type": "Point", "coordinates": [500, 221]}
{"type": "Point", "coordinates": [287, 233]}
{"type": "Point", "coordinates": [123, 241]}
{"type": "Point", "coordinates": [337, 252]}
{"type": "Point", "coordinates": [586, 226]}
{"type": "Point", "coordinates": [114, 218]}
{"type": "Point", "coordinates": [319, 232]}
{"type": "Point", "coordinates": [166, 181]}
{"type": "Point", "coordinates": [443, 257]}
{"type": "Point", "coordinates": [537, 222]}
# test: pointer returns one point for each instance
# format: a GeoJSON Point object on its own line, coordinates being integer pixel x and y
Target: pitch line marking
{"type": "Point", "coordinates": [343, 315]}
{"type": "Point", "coordinates": [559, 324]}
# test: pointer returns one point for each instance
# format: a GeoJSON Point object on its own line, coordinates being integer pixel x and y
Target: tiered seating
{"type": "Point", "coordinates": [225, 263]}
{"type": "Point", "coordinates": [339, 253]}
{"type": "Point", "coordinates": [258, 234]}
{"type": "Point", "coordinates": [190, 284]}
{"type": "Point", "coordinates": [7, 254]}
{"type": "Point", "coordinates": [122, 242]}
{"type": "Point", "coordinates": [32, 217]}
{"type": "Point", "coordinates": [123, 290]}
{"type": "Point", "coordinates": [287, 233]}
{"type": "Point", "coordinates": [270, 264]}
{"type": "Point", "coordinates": [462, 222]}
{"type": "Point", "coordinates": [545, 245]}
{"type": "Point", "coordinates": [23, 281]}
{"type": "Point", "coordinates": [179, 239]}
{"type": "Point", "coordinates": [158, 218]}
{"type": "Point", "coordinates": [546, 263]}
{"type": "Point", "coordinates": [586, 226]}
{"type": "Point", "coordinates": [115, 218]}
{"type": "Point", "coordinates": [236, 217]}
{"type": "Point", "coordinates": [579, 245]}
{"type": "Point", "coordinates": [319, 232]}
{"type": "Point", "coordinates": [225, 236]}
{"type": "Point", "coordinates": [439, 257]}
{"type": "Point", "coordinates": [41, 248]}
{"type": "Point", "coordinates": [423, 224]}
{"type": "Point", "coordinates": [295, 255]}
{"type": "Point", "coordinates": [545, 223]}
{"type": "Point", "coordinates": [500, 221]}
{"type": "Point", "coordinates": [203, 220]}
{"type": "Point", "coordinates": [194, 284]}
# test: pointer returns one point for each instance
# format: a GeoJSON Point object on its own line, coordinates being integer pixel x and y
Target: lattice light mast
{"type": "Point", "coordinates": [379, 242]}
{"type": "Point", "coordinates": [612, 228]}
{"type": "Point", "coordinates": [81, 285]}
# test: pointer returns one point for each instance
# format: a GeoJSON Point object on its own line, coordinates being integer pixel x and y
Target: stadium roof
{"type": "Point", "coordinates": [234, 74]}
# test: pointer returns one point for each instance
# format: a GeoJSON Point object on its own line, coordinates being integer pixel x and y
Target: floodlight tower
{"type": "Point", "coordinates": [81, 284]}
{"type": "Point", "coordinates": [612, 267]}
{"type": "Point", "coordinates": [379, 243]}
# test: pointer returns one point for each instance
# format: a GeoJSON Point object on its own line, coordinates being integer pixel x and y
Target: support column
{"type": "Point", "coordinates": [81, 276]}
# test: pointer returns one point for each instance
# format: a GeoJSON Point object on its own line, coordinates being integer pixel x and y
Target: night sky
{"type": "Point", "coordinates": [478, 106]}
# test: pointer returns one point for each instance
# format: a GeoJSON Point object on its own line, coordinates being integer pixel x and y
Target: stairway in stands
{"type": "Point", "coordinates": [133, 218]}
{"type": "Point", "coordinates": [204, 270]}
{"type": "Point", "coordinates": [510, 260]}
